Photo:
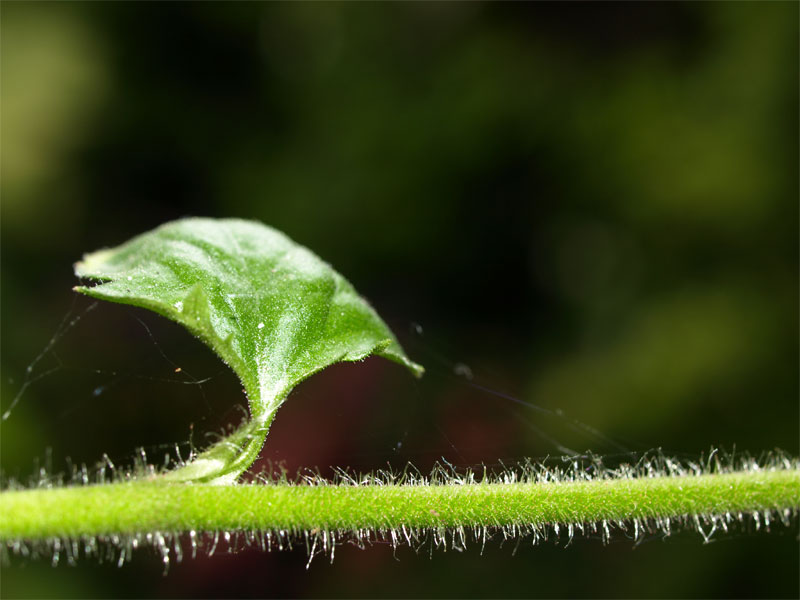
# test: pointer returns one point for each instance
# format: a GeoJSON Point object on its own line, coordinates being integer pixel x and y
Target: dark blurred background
{"type": "Point", "coordinates": [587, 207]}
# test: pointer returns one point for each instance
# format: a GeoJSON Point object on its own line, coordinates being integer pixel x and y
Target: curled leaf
{"type": "Point", "coordinates": [270, 308]}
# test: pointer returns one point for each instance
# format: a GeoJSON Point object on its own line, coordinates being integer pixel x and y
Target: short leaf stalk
{"type": "Point", "coordinates": [659, 495]}
{"type": "Point", "coordinates": [225, 460]}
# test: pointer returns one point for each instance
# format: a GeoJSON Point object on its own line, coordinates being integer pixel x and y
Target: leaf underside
{"type": "Point", "coordinates": [270, 308]}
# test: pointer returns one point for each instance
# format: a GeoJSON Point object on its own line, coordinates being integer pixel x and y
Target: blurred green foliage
{"type": "Point", "coordinates": [593, 206]}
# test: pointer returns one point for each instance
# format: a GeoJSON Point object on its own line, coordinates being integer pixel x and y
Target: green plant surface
{"type": "Point", "coordinates": [276, 314]}
{"type": "Point", "coordinates": [270, 308]}
{"type": "Point", "coordinates": [141, 507]}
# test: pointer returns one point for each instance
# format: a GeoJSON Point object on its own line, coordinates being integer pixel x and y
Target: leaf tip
{"type": "Point", "coordinates": [394, 352]}
{"type": "Point", "coordinates": [416, 369]}
{"type": "Point", "coordinates": [92, 262]}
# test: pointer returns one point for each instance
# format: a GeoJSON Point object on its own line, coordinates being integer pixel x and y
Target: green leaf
{"type": "Point", "coordinates": [270, 308]}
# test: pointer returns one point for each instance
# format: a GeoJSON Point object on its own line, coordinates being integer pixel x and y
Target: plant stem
{"type": "Point", "coordinates": [141, 506]}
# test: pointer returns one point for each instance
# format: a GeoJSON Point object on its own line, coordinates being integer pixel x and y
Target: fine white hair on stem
{"type": "Point", "coordinates": [173, 545]}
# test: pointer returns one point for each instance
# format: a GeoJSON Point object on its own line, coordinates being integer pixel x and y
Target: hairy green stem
{"type": "Point", "coordinates": [139, 506]}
